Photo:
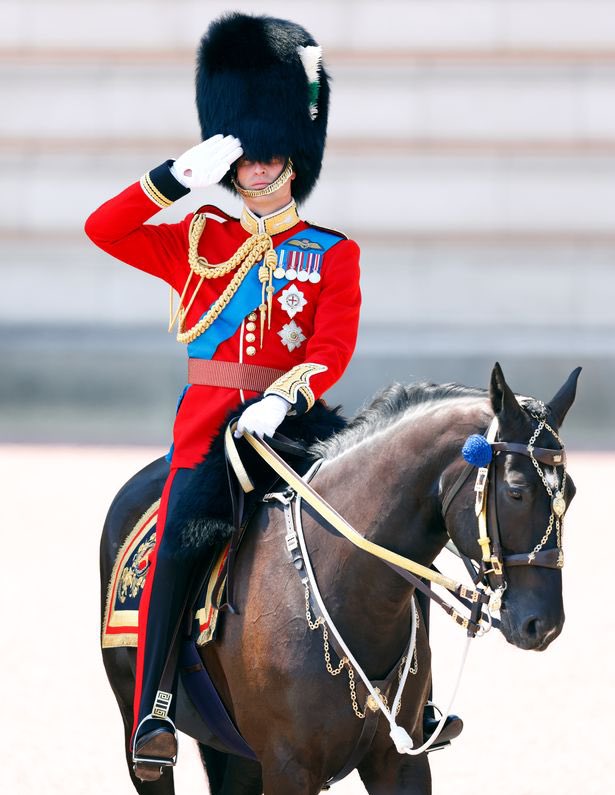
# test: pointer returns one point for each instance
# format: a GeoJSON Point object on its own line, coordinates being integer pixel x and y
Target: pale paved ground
{"type": "Point", "coordinates": [535, 723]}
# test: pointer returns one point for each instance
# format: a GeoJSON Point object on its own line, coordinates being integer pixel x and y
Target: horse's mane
{"type": "Point", "coordinates": [387, 407]}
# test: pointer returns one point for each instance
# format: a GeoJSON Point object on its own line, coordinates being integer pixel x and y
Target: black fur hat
{"type": "Point", "coordinates": [251, 82]}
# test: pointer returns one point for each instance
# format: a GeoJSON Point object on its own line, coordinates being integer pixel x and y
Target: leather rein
{"type": "Point", "coordinates": [490, 573]}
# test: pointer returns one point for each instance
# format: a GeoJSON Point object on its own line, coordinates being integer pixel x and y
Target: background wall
{"type": "Point", "coordinates": [471, 153]}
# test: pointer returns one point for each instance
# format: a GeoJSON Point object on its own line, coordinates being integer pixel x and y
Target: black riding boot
{"type": "Point", "coordinates": [453, 726]}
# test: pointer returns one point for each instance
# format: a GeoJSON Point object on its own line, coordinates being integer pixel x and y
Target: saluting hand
{"type": "Point", "coordinates": [206, 163]}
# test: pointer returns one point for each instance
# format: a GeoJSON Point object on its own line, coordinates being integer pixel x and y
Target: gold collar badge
{"type": "Point", "coordinates": [272, 224]}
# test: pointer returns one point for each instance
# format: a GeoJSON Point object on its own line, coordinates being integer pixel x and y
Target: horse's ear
{"type": "Point", "coordinates": [560, 404]}
{"type": "Point", "coordinates": [503, 400]}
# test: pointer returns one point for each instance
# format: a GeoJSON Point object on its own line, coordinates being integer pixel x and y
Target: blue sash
{"type": "Point", "coordinates": [248, 295]}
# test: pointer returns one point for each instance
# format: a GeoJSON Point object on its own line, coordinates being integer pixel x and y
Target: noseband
{"type": "Point", "coordinates": [493, 561]}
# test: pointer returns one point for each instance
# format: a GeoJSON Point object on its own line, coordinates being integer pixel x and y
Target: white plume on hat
{"type": "Point", "coordinates": [311, 57]}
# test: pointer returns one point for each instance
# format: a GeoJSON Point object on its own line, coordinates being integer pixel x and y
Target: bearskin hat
{"type": "Point", "coordinates": [260, 79]}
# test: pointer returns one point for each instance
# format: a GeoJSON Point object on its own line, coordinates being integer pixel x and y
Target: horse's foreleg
{"type": "Point", "coordinates": [291, 777]}
{"type": "Point", "coordinates": [215, 763]}
{"type": "Point", "coordinates": [390, 773]}
{"type": "Point", "coordinates": [229, 774]}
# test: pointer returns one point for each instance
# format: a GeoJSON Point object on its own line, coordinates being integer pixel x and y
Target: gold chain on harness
{"type": "Point", "coordinates": [247, 255]}
{"type": "Point", "coordinates": [345, 662]}
{"type": "Point", "coordinates": [558, 505]}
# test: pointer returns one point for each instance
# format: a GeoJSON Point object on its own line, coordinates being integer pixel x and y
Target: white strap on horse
{"type": "Point", "coordinates": [399, 735]}
{"type": "Point", "coordinates": [402, 740]}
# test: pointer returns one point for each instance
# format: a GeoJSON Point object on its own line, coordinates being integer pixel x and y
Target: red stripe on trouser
{"type": "Point", "coordinates": [147, 592]}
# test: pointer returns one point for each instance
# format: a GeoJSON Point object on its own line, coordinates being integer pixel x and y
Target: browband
{"type": "Point", "coordinates": [546, 456]}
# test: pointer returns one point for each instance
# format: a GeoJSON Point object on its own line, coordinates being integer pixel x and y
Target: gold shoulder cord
{"type": "Point", "coordinates": [247, 255]}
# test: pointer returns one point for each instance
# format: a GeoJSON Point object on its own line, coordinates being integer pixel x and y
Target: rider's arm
{"type": "Point", "coordinates": [331, 345]}
{"type": "Point", "coordinates": [118, 226]}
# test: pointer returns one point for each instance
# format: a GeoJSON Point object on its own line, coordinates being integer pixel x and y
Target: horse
{"type": "Point", "coordinates": [395, 473]}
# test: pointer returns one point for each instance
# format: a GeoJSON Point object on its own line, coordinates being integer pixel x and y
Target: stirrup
{"type": "Point", "coordinates": [150, 766]}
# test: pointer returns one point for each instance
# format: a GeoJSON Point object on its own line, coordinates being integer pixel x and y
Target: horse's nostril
{"type": "Point", "coordinates": [531, 627]}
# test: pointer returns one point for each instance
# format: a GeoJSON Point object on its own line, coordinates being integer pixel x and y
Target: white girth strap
{"type": "Point", "coordinates": [401, 738]}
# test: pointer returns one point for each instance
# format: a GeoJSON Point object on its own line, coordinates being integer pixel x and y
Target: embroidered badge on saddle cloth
{"type": "Point", "coordinates": [121, 617]}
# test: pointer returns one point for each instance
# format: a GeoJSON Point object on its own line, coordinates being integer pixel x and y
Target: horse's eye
{"type": "Point", "coordinates": [515, 494]}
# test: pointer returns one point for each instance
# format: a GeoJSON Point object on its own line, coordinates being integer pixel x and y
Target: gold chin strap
{"type": "Point", "coordinates": [480, 507]}
{"type": "Point", "coordinates": [275, 185]}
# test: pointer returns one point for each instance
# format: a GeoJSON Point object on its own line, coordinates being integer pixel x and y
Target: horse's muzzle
{"type": "Point", "coordinates": [531, 632]}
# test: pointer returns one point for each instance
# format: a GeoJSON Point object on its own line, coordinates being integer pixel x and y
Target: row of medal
{"type": "Point", "coordinates": [300, 265]}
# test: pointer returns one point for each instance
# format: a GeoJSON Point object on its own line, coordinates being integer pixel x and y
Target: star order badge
{"type": "Point", "coordinates": [292, 300]}
{"type": "Point", "coordinates": [292, 335]}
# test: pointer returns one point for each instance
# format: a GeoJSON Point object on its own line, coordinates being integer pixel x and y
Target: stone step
{"type": "Point", "coordinates": [114, 104]}
{"type": "Point", "coordinates": [372, 194]}
{"type": "Point", "coordinates": [419, 24]}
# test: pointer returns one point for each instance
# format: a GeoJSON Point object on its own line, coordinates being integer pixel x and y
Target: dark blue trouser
{"type": "Point", "coordinates": [160, 612]}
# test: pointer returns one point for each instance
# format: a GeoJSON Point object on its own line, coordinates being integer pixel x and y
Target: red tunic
{"type": "Point", "coordinates": [328, 321]}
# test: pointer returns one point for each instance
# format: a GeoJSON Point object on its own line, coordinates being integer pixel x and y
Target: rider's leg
{"type": "Point", "coordinates": [164, 595]}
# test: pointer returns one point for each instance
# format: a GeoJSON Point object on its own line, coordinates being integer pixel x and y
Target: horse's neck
{"type": "Point", "coordinates": [387, 487]}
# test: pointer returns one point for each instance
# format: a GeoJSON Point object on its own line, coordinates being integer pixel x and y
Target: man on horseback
{"type": "Point", "coordinates": [269, 304]}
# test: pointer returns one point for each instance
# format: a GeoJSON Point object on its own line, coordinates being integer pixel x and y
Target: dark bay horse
{"type": "Point", "coordinates": [388, 474]}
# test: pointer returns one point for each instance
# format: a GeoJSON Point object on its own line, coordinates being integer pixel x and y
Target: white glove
{"type": "Point", "coordinates": [263, 418]}
{"type": "Point", "coordinates": [206, 163]}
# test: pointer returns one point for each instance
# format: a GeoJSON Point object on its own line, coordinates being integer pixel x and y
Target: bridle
{"type": "Point", "coordinates": [490, 569]}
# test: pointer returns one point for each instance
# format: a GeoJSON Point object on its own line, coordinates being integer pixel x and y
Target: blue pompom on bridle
{"type": "Point", "coordinates": [477, 450]}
